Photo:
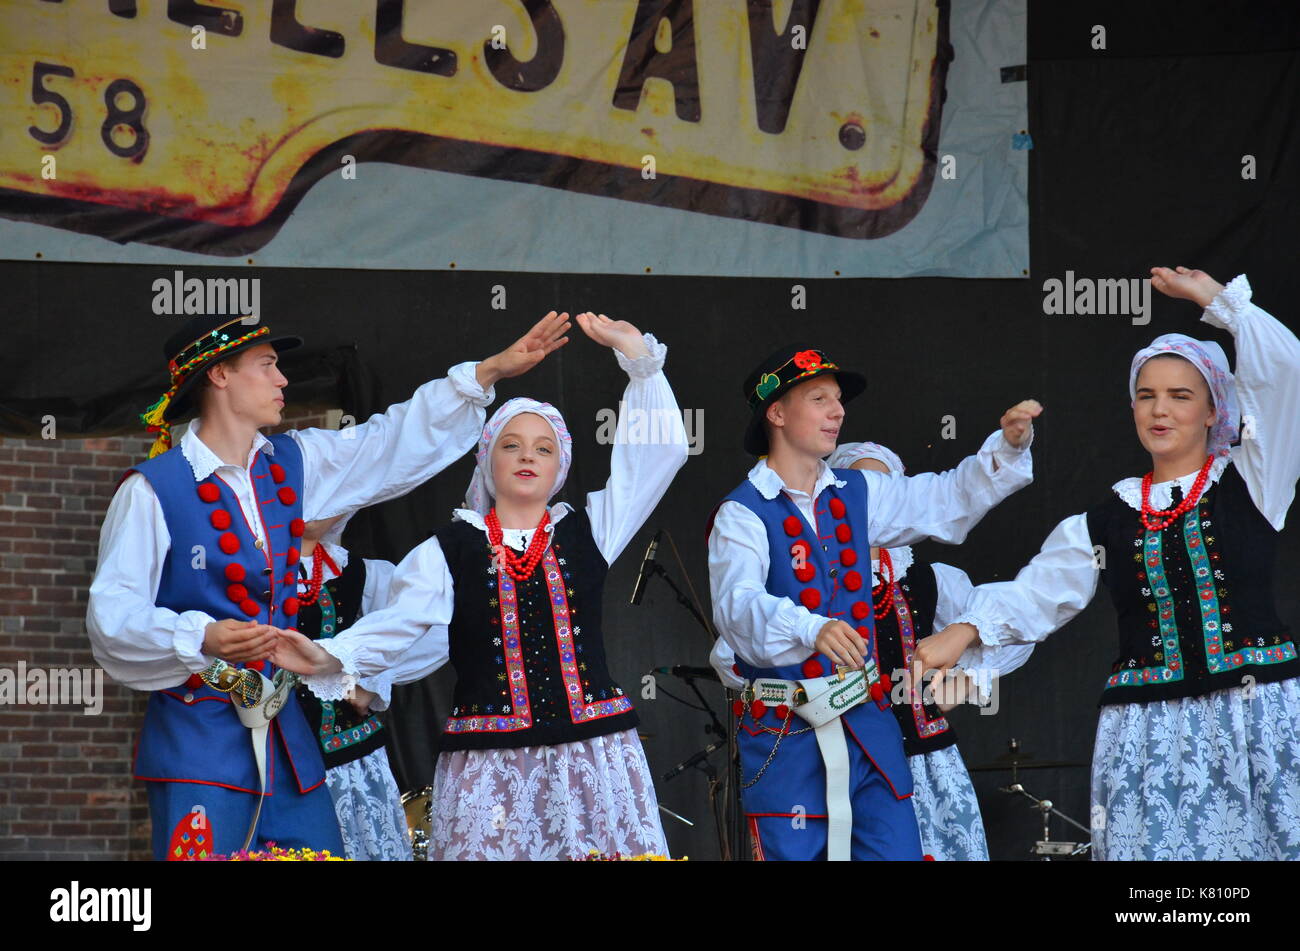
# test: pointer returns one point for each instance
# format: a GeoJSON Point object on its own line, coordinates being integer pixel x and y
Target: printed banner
{"type": "Point", "coordinates": [860, 137]}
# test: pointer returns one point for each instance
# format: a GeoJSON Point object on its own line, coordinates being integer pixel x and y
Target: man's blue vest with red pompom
{"type": "Point", "coordinates": [217, 565]}
{"type": "Point", "coordinates": [828, 571]}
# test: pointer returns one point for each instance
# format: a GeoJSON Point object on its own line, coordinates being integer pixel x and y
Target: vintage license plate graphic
{"type": "Point", "coordinates": [814, 114]}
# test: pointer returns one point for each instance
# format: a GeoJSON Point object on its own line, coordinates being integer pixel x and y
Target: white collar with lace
{"type": "Point", "coordinates": [902, 559]}
{"type": "Point", "coordinates": [1130, 490]}
{"type": "Point", "coordinates": [203, 461]}
{"type": "Point", "coordinates": [768, 482]}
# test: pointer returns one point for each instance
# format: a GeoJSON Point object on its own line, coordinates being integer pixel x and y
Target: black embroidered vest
{"type": "Point", "coordinates": [1195, 601]}
{"type": "Point", "coordinates": [529, 656]}
{"type": "Point", "coordinates": [343, 734]}
{"type": "Point", "coordinates": [924, 728]}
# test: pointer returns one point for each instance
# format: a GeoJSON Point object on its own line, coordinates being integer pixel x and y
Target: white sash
{"type": "Point", "coordinates": [827, 699]}
{"type": "Point", "coordinates": [258, 719]}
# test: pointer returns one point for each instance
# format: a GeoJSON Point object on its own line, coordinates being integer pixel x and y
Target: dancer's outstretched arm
{"type": "Point", "coordinates": [945, 506]}
{"type": "Point", "coordinates": [1268, 384]}
{"type": "Point", "coordinates": [650, 443]}
{"type": "Point", "coordinates": [393, 452]}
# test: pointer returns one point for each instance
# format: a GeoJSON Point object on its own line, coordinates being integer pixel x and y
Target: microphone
{"type": "Point", "coordinates": [643, 573]}
{"type": "Point", "coordinates": [688, 673]}
{"type": "Point", "coordinates": [696, 758]}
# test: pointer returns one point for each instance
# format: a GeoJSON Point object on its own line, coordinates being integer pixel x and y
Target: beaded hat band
{"type": "Point", "coordinates": [206, 344]}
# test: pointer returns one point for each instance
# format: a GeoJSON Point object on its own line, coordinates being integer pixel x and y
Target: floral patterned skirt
{"type": "Point", "coordinates": [369, 807]}
{"type": "Point", "coordinates": [546, 802]}
{"type": "Point", "coordinates": [947, 811]}
{"type": "Point", "coordinates": [1211, 777]}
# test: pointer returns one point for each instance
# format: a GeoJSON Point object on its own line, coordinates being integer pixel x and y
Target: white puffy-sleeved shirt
{"type": "Point", "coordinates": [375, 596]}
{"type": "Point", "coordinates": [1062, 578]}
{"type": "Point", "coordinates": [421, 597]}
{"type": "Point", "coordinates": [772, 631]}
{"type": "Point", "coordinates": [954, 590]}
{"type": "Point", "coordinates": [147, 647]}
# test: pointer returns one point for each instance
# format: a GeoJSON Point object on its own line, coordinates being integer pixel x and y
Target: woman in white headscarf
{"type": "Point", "coordinates": [540, 756]}
{"type": "Point", "coordinates": [1197, 753]}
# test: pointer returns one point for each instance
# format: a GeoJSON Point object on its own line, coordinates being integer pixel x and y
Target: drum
{"type": "Point", "coordinates": [419, 820]}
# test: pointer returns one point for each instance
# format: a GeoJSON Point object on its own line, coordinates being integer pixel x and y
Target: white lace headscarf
{"type": "Point", "coordinates": [1212, 363]}
{"type": "Point", "coordinates": [481, 490]}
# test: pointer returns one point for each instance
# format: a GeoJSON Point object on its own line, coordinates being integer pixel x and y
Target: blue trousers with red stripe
{"type": "Point", "coordinates": [291, 819]}
{"type": "Point", "coordinates": [884, 826]}
{"type": "Point", "coordinates": [786, 806]}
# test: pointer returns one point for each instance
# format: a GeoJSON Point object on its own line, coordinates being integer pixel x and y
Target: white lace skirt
{"type": "Point", "coordinates": [947, 811]}
{"type": "Point", "coordinates": [1212, 777]}
{"type": "Point", "coordinates": [546, 802]}
{"type": "Point", "coordinates": [369, 807]}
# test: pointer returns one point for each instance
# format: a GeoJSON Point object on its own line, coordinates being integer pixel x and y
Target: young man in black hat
{"type": "Point", "coordinates": [790, 569]}
{"type": "Point", "coordinates": [198, 573]}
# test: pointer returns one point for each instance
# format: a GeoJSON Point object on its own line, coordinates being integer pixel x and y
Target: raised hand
{"type": "Point", "coordinates": [545, 337]}
{"type": "Point", "coordinates": [619, 334]}
{"type": "Point", "coordinates": [1018, 422]}
{"type": "Point", "coordinates": [1184, 283]}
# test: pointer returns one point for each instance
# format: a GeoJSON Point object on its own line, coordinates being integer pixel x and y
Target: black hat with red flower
{"type": "Point", "coordinates": [785, 368]}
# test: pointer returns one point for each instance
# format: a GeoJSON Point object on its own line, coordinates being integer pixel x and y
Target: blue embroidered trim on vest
{"type": "Point", "coordinates": [1207, 597]}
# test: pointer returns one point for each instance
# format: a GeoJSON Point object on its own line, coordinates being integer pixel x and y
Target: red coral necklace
{"type": "Point", "coordinates": [882, 595]}
{"type": "Point", "coordinates": [1157, 520]}
{"type": "Point", "coordinates": [518, 566]}
{"type": "Point", "coordinates": [320, 558]}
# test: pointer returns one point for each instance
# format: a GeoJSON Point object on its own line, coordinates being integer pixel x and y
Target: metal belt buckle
{"type": "Point", "coordinates": [221, 676]}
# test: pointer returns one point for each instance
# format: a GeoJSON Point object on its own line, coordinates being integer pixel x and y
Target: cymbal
{"type": "Point", "coordinates": [1009, 761]}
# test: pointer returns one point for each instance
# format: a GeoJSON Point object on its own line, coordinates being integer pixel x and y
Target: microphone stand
{"type": "Point", "coordinates": [657, 570]}
{"type": "Point", "coordinates": [732, 833]}
{"type": "Point", "coordinates": [700, 760]}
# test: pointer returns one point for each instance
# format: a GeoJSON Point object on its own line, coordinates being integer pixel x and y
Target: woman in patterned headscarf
{"type": "Point", "coordinates": [540, 756]}
{"type": "Point", "coordinates": [1197, 753]}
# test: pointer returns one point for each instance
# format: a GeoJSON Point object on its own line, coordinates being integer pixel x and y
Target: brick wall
{"type": "Point", "coordinates": [66, 790]}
